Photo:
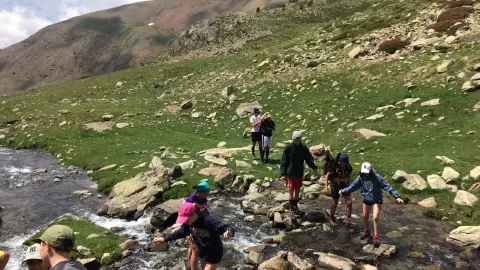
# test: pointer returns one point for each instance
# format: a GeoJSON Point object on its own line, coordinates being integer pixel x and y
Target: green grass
{"type": "Point", "coordinates": [409, 146]}
{"type": "Point", "coordinates": [107, 242]}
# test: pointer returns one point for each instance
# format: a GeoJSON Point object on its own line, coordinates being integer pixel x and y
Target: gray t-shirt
{"type": "Point", "coordinates": [69, 265]}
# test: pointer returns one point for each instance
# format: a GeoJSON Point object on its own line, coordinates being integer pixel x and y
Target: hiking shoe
{"type": "Point", "coordinates": [376, 242]}
{"type": "Point", "coordinates": [365, 235]}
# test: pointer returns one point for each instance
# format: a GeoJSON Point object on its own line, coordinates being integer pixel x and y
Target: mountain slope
{"type": "Point", "coordinates": [106, 41]}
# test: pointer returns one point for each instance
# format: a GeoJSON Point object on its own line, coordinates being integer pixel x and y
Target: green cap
{"type": "Point", "coordinates": [58, 236]}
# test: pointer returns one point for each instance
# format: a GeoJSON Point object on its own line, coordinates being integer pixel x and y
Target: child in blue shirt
{"type": "Point", "coordinates": [371, 185]}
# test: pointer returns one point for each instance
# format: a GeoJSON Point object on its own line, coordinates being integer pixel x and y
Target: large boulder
{"type": "Point", "coordinates": [475, 173]}
{"type": "Point", "coordinates": [465, 236]}
{"type": "Point", "coordinates": [130, 197]}
{"type": "Point", "coordinates": [415, 182]}
{"type": "Point", "coordinates": [225, 178]}
{"type": "Point", "coordinates": [320, 151]}
{"type": "Point", "coordinates": [275, 263]}
{"type": "Point", "coordinates": [255, 257]}
{"type": "Point", "coordinates": [436, 182]}
{"type": "Point", "coordinates": [332, 261]}
{"type": "Point", "coordinates": [465, 198]}
{"type": "Point", "coordinates": [450, 175]}
{"type": "Point", "coordinates": [246, 109]}
{"type": "Point", "coordinates": [165, 214]}
{"type": "Point", "coordinates": [188, 164]}
{"type": "Point", "coordinates": [298, 263]}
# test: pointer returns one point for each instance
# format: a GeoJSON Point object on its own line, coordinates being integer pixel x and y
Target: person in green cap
{"type": "Point", "coordinates": [199, 198]}
{"type": "Point", "coordinates": [56, 243]}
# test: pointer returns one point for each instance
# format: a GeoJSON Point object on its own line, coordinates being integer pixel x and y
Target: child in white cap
{"type": "Point", "coordinates": [33, 260]}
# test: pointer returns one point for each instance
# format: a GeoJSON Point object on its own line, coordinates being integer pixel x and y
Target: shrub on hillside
{"type": "Point", "coordinates": [393, 45]}
{"type": "Point", "coordinates": [443, 26]}
{"type": "Point", "coordinates": [457, 13]}
{"type": "Point", "coordinates": [461, 3]}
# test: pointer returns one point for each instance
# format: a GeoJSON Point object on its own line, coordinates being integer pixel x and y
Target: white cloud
{"type": "Point", "coordinates": [19, 24]}
{"type": "Point", "coordinates": [21, 18]}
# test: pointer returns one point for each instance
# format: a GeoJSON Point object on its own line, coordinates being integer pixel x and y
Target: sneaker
{"type": "Point", "coordinates": [376, 242]}
{"type": "Point", "coordinates": [365, 235]}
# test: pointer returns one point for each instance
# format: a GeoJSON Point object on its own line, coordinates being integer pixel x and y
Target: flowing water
{"type": "Point", "coordinates": [31, 199]}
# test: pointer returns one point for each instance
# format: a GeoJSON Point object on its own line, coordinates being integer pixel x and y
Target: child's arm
{"type": "Point", "coordinates": [285, 162]}
{"type": "Point", "coordinates": [219, 227]}
{"type": "Point", "coordinates": [386, 186]}
{"type": "Point", "coordinates": [183, 232]}
{"type": "Point", "coordinates": [353, 187]}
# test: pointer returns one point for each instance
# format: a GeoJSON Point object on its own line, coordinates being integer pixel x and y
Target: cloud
{"type": "Point", "coordinates": [23, 18]}
{"type": "Point", "coordinates": [19, 24]}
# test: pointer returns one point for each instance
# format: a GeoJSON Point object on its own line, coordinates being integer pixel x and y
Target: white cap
{"type": "Point", "coordinates": [297, 135]}
{"type": "Point", "coordinates": [33, 253]}
{"type": "Point", "coordinates": [366, 167]}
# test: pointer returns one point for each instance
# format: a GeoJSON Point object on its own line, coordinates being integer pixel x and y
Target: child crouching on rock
{"type": "Point", "coordinates": [372, 185]}
{"type": "Point", "coordinates": [205, 231]}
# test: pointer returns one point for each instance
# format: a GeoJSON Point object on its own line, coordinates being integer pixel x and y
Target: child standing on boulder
{"type": "Point", "coordinates": [205, 231]}
{"type": "Point", "coordinates": [371, 185]}
{"type": "Point", "coordinates": [199, 198]}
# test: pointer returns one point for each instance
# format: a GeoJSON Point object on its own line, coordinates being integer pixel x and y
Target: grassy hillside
{"type": "Point", "coordinates": [328, 101]}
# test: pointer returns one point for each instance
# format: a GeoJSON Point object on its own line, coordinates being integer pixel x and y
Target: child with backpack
{"type": "Point", "coordinates": [371, 185]}
{"type": "Point", "coordinates": [199, 198]}
{"type": "Point", "coordinates": [338, 175]}
{"type": "Point", "coordinates": [205, 231]}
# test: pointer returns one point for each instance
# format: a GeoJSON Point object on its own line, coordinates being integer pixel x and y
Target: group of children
{"type": "Point", "coordinates": [262, 132]}
{"type": "Point", "coordinates": [203, 232]}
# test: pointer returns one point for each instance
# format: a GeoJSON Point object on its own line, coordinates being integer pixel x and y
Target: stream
{"type": "Point", "coordinates": [32, 199]}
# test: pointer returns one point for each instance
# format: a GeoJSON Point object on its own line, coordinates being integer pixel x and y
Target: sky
{"type": "Point", "coordinates": [20, 19]}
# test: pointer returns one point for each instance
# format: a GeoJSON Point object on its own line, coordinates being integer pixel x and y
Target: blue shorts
{"type": "Point", "coordinates": [211, 254]}
{"type": "Point", "coordinates": [336, 187]}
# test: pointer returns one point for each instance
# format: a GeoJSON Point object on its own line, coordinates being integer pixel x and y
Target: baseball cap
{"type": "Point", "coordinates": [60, 237]}
{"type": "Point", "coordinates": [366, 167]}
{"type": "Point", "coordinates": [33, 253]}
{"type": "Point", "coordinates": [185, 211]}
{"type": "Point", "coordinates": [203, 186]}
{"type": "Point", "coordinates": [297, 135]}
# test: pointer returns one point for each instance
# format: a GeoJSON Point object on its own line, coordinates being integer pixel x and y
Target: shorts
{"type": "Point", "coordinates": [294, 183]}
{"type": "Point", "coordinates": [256, 137]}
{"type": "Point", "coordinates": [372, 203]}
{"type": "Point", "coordinates": [212, 255]}
{"type": "Point", "coordinates": [266, 141]}
{"type": "Point", "coordinates": [336, 187]}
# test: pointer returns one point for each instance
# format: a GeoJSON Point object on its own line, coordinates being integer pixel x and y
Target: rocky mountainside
{"type": "Point", "coordinates": [106, 41]}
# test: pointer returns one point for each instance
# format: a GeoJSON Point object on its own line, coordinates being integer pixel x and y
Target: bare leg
{"type": "Point", "coordinates": [348, 201]}
{"type": "Point", "coordinates": [296, 195]}
{"type": "Point", "coordinates": [366, 217]}
{"type": "Point", "coordinates": [333, 209]}
{"type": "Point", "coordinates": [210, 266]}
{"type": "Point", "coordinates": [377, 208]}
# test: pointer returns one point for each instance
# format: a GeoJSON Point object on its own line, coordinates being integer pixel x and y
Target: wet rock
{"type": "Point", "coordinates": [415, 182]}
{"type": "Point", "coordinates": [327, 227]}
{"type": "Point", "coordinates": [436, 182]}
{"type": "Point", "coordinates": [275, 263]}
{"type": "Point", "coordinates": [415, 255]}
{"type": "Point", "coordinates": [428, 203]}
{"type": "Point", "coordinates": [255, 258]}
{"type": "Point", "coordinates": [383, 250]}
{"type": "Point", "coordinates": [287, 221]}
{"type": "Point", "coordinates": [450, 175]}
{"type": "Point", "coordinates": [298, 263]}
{"type": "Point", "coordinates": [445, 160]}
{"type": "Point", "coordinates": [126, 197]}
{"type": "Point", "coordinates": [278, 221]}
{"type": "Point", "coordinates": [225, 178]}
{"type": "Point", "coordinates": [130, 244]}
{"type": "Point", "coordinates": [181, 265]}
{"type": "Point", "coordinates": [315, 217]}
{"type": "Point", "coordinates": [332, 261]}
{"type": "Point", "coordinates": [164, 215]}
{"type": "Point", "coordinates": [258, 248]}
{"type": "Point", "coordinates": [244, 267]}
{"type": "Point", "coordinates": [465, 198]}
{"type": "Point", "coordinates": [367, 134]}
{"type": "Point", "coordinates": [117, 229]}
{"type": "Point", "coordinates": [41, 170]}
{"type": "Point", "coordinates": [399, 176]}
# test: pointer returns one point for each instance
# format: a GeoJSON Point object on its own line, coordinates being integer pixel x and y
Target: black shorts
{"type": "Point", "coordinates": [256, 137]}
{"type": "Point", "coordinates": [372, 203]}
{"type": "Point", "coordinates": [212, 255]}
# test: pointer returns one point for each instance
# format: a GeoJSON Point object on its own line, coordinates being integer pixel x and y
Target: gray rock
{"type": "Point", "coordinates": [107, 117]}
{"type": "Point", "coordinates": [332, 261]}
{"type": "Point", "coordinates": [84, 251]}
{"type": "Point", "coordinates": [275, 263]}
{"type": "Point", "coordinates": [465, 198]}
{"type": "Point", "coordinates": [415, 182]}
{"type": "Point", "coordinates": [228, 91]}
{"type": "Point", "coordinates": [450, 175]}
{"type": "Point", "coordinates": [465, 237]}
{"type": "Point", "coordinates": [187, 105]}
{"type": "Point", "coordinates": [246, 109]}
{"type": "Point", "coordinates": [298, 263]}
{"type": "Point", "coordinates": [255, 257]}
{"type": "Point", "coordinates": [383, 250]}
{"type": "Point", "coordinates": [475, 173]}
{"type": "Point", "coordinates": [225, 177]}
{"type": "Point", "coordinates": [436, 182]}
{"type": "Point", "coordinates": [428, 203]}
{"type": "Point", "coordinates": [444, 66]}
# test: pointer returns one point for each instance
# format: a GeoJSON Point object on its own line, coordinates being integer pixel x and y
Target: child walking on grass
{"type": "Point", "coordinates": [371, 185]}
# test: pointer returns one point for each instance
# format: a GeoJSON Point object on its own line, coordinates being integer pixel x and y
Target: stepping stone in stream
{"type": "Point", "coordinates": [384, 250]}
